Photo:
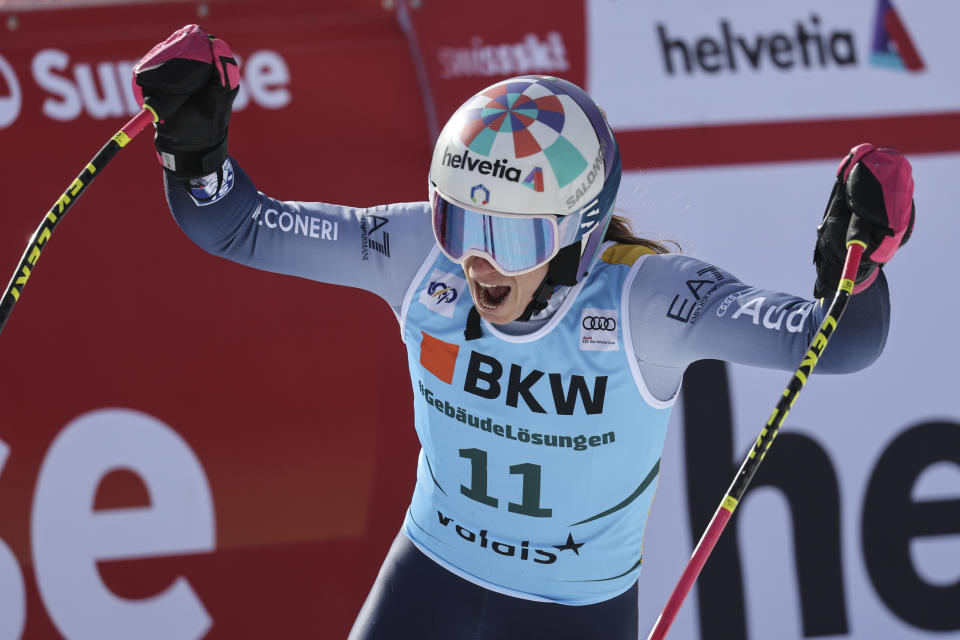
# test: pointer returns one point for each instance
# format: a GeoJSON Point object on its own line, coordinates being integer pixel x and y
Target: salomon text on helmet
{"type": "Point", "coordinates": [526, 172]}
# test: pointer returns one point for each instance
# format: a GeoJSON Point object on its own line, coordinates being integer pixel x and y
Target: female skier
{"type": "Point", "coordinates": [546, 343]}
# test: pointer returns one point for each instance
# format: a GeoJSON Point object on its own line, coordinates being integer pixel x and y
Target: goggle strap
{"type": "Point", "coordinates": [564, 266]}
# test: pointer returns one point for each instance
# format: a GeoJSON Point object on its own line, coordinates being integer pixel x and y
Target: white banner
{"type": "Point", "coordinates": [866, 469]}
{"type": "Point", "coordinates": [691, 62]}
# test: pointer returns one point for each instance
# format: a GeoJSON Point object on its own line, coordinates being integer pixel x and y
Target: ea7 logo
{"type": "Point", "coordinates": [370, 224]}
{"type": "Point", "coordinates": [686, 306]}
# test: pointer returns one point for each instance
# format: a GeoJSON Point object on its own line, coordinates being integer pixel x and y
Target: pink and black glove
{"type": "Point", "coordinates": [189, 81]}
{"type": "Point", "coordinates": [872, 202]}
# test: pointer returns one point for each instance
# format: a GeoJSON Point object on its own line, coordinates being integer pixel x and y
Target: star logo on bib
{"type": "Point", "coordinates": [570, 545]}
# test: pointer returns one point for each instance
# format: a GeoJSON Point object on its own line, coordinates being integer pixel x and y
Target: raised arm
{"type": "Point", "coordinates": [378, 249]}
{"type": "Point", "coordinates": [194, 75]}
{"type": "Point", "coordinates": [684, 310]}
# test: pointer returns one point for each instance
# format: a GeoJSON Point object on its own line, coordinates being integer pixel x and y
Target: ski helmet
{"type": "Point", "coordinates": [526, 172]}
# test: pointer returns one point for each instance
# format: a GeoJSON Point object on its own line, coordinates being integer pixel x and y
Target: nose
{"type": "Point", "coordinates": [480, 266]}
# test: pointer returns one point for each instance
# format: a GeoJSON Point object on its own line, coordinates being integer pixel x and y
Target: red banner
{"type": "Point", "coordinates": [264, 453]}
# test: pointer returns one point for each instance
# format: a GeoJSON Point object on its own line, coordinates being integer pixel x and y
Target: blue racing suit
{"type": "Point", "coordinates": [541, 440]}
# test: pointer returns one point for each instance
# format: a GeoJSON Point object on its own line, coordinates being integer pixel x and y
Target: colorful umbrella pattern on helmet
{"type": "Point", "coordinates": [509, 109]}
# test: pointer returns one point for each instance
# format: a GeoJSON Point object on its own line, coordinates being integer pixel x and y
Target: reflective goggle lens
{"type": "Point", "coordinates": [516, 243]}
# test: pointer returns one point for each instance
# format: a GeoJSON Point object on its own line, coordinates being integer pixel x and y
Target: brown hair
{"type": "Point", "coordinates": [620, 230]}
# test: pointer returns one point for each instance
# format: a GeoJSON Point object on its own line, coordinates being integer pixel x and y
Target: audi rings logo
{"type": "Point", "coordinates": [598, 329]}
{"type": "Point", "coordinates": [599, 323]}
{"type": "Point", "coordinates": [722, 309]}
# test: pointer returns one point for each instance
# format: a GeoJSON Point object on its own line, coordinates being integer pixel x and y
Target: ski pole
{"type": "Point", "coordinates": [38, 241]}
{"type": "Point", "coordinates": [749, 467]}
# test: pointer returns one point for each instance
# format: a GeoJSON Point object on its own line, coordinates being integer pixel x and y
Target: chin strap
{"type": "Point", "coordinates": [473, 330]}
{"type": "Point", "coordinates": [562, 273]}
{"type": "Point", "coordinates": [541, 297]}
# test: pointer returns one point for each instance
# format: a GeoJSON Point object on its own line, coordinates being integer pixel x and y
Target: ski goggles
{"type": "Point", "coordinates": [515, 243]}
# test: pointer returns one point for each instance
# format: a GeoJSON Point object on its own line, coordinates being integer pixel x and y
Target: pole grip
{"type": "Point", "coordinates": [851, 264]}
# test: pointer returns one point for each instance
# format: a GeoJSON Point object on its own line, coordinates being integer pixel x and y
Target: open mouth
{"type": "Point", "coordinates": [491, 296]}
